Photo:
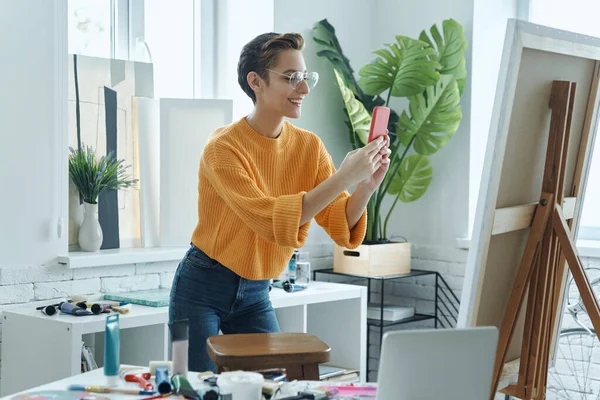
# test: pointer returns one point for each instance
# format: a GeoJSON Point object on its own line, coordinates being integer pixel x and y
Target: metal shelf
{"type": "Point", "coordinates": [446, 302]}
{"type": "Point", "coordinates": [412, 273]}
{"type": "Point", "coordinates": [385, 324]}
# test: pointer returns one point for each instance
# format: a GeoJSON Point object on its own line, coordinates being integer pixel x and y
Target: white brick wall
{"type": "Point", "coordinates": [135, 282]}
{"type": "Point", "coordinates": [16, 293]}
{"type": "Point", "coordinates": [55, 290]}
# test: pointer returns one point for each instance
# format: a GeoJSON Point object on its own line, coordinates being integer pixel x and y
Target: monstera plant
{"type": "Point", "coordinates": [431, 73]}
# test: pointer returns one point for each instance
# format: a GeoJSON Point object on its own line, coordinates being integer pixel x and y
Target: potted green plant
{"type": "Point", "coordinates": [430, 72]}
{"type": "Point", "coordinates": [92, 175]}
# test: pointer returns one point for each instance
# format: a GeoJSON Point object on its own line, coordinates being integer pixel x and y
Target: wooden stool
{"type": "Point", "coordinates": [299, 353]}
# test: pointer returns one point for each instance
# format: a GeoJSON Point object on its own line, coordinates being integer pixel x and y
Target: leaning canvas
{"type": "Point", "coordinates": [534, 58]}
{"type": "Point", "coordinates": [100, 97]}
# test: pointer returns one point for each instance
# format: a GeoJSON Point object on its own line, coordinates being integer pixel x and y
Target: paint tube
{"type": "Point", "coordinates": [112, 345]}
{"type": "Point", "coordinates": [100, 308]}
{"type": "Point", "coordinates": [73, 309]}
{"type": "Point", "coordinates": [162, 379]}
{"type": "Point", "coordinates": [182, 386]}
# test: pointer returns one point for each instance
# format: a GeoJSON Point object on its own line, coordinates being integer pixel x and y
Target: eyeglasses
{"type": "Point", "coordinates": [297, 77]}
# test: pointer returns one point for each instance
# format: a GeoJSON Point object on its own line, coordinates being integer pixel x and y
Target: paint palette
{"type": "Point", "coordinates": [59, 395]}
{"type": "Point", "coordinates": [151, 298]}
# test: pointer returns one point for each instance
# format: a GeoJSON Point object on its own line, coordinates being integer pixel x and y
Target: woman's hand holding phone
{"type": "Point", "coordinates": [374, 180]}
{"type": "Point", "coordinates": [367, 164]}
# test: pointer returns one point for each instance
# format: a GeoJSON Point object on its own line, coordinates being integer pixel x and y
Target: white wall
{"type": "Point", "coordinates": [238, 22]}
{"type": "Point", "coordinates": [489, 29]}
{"type": "Point", "coordinates": [31, 175]}
{"type": "Point", "coordinates": [440, 216]}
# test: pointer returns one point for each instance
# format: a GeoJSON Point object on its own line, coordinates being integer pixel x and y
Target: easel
{"type": "Point", "coordinates": [542, 266]}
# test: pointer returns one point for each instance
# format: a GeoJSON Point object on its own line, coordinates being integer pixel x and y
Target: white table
{"type": "Point", "coordinates": [96, 378]}
{"type": "Point", "coordinates": [49, 348]}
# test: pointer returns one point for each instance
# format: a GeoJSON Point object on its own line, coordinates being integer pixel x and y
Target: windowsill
{"type": "Point", "coordinates": [585, 248]}
{"type": "Point", "coordinates": [105, 258]}
{"type": "Point", "coordinates": [588, 248]}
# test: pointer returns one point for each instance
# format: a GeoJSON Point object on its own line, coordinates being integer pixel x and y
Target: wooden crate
{"type": "Point", "coordinates": [373, 259]}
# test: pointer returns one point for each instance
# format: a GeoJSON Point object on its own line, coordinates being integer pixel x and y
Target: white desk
{"type": "Point", "coordinates": [96, 378]}
{"type": "Point", "coordinates": [49, 348]}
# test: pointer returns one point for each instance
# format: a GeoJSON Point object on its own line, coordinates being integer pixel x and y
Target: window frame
{"type": "Point", "coordinates": [127, 25]}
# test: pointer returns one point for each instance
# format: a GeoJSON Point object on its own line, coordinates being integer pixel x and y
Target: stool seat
{"type": "Point", "coordinates": [299, 353]}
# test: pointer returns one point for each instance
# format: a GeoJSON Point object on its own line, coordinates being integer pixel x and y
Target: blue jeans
{"type": "Point", "coordinates": [215, 298]}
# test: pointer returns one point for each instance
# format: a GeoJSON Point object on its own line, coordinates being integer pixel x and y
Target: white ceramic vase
{"type": "Point", "coordinates": [90, 231]}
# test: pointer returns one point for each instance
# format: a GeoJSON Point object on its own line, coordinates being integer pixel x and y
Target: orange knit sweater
{"type": "Point", "coordinates": [250, 192]}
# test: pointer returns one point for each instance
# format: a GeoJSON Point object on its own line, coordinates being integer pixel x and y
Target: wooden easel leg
{"type": "Point", "coordinates": [528, 328]}
{"type": "Point", "coordinates": [540, 221]}
{"type": "Point", "coordinates": [583, 284]}
{"type": "Point", "coordinates": [561, 270]}
{"type": "Point", "coordinates": [563, 97]}
{"type": "Point", "coordinates": [543, 243]}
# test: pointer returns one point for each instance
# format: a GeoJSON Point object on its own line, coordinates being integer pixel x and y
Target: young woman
{"type": "Point", "coordinates": [261, 181]}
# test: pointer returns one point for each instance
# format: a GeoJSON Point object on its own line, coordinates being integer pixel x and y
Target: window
{"type": "Point", "coordinates": [90, 28]}
{"type": "Point", "coordinates": [580, 16]}
{"type": "Point", "coordinates": [171, 34]}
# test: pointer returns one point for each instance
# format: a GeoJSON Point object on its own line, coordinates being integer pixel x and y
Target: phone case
{"type": "Point", "coordinates": [379, 122]}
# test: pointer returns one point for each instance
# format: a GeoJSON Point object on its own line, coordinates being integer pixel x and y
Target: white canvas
{"type": "Point", "coordinates": [533, 57]}
{"type": "Point", "coordinates": [147, 129]}
{"type": "Point", "coordinates": [185, 126]}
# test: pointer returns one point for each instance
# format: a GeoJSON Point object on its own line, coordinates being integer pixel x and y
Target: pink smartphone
{"type": "Point", "coordinates": [379, 122]}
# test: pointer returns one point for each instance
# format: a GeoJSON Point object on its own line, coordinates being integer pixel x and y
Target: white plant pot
{"type": "Point", "coordinates": [90, 231]}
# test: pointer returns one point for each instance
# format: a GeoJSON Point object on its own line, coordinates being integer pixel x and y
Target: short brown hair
{"type": "Point", "coordinates": [261, 53]}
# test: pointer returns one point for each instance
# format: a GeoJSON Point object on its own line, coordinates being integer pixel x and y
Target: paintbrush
{"type": "Point", "coordinates": [104, 389]}
{"type": "Point", "coordinates": [121, 309]}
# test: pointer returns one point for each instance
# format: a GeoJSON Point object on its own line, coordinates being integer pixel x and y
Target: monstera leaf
{"type": "Point", "coordinates": [450, 50]}
{"type": "Point", "coordinates": [359, 118]}
{"type": "Point", "coordinates": [407, 67]}
{"type": "Point", "coordinates": [324, 35]}
{"type": "Point", "coordinates": [434, 117]}
{"type": "Point", "coordinates": [412, 179]}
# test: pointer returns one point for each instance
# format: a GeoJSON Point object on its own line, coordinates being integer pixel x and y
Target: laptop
{"type": "Point", "coordinates": [428, 364]}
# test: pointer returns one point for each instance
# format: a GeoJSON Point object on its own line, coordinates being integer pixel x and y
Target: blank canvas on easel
{"type": "Point", "coordinates": [533, 58]}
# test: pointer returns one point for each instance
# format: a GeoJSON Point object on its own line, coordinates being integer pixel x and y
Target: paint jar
{"type": "Point", "coordinates": [302, 268]}
{"type": "Point", "coordinates": [241, 385]}
{"type": "Point", "coordinates": [291, 269]}
{"type": "Point", "coordinates": [179, 338]}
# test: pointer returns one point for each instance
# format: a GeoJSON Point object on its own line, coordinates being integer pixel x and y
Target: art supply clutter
{"type": "Point", "coordinates": [171, 379]}
{"type": "Point", "coordinates": [78, 307]}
